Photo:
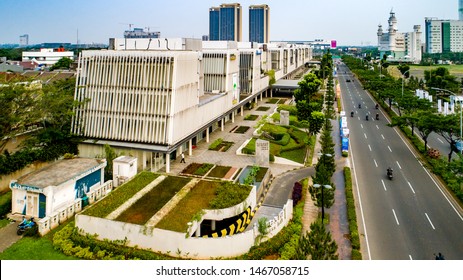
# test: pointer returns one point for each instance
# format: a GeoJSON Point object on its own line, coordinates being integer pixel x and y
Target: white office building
{"type": "Point", "coordinates": [46, 57]}
{"type": "Point", "coordinates": [156, 98]}
{"type": "Point", "coordinates": [443, 35]}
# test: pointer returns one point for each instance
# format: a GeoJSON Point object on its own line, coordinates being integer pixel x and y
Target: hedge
{"type": "Point", "coordinates": [5, 204]}
{"type": "Point", "coordinates": [352, 216]}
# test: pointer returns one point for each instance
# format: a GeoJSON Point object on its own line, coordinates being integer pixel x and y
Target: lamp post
{"type": "Point", "coordinates": [403, 78]}
{"type": "Point", "coordinates": [323, 200]}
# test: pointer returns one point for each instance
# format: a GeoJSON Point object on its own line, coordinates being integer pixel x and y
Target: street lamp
{"type": "Point", "coordinates": [403, 78]}
{"type": "Point", "coordinates": [323, 201]}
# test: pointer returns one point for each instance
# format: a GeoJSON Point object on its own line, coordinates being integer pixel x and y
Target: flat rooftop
{"type": "Point", "coordinates": [59, 172]}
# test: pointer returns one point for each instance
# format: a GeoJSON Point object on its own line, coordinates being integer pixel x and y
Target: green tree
{"type": "Point", "coordinates": [322, 177]}
{"type": "Point", "coordinates": [63, 63]}
{"type": "Point", "coordinates": [426, 124]}
{"type": "Point", "coordinates": [109, 154]}
{"type": "Point", "coordinates": [317, 244]}
{"type": "Point", "coordinates": [449, 128]}
{"type": "Point", "coordinates": [403, 68]}
{"type": "Point", "coordinates": [441, 78]}
{"type": "Point", "coordinates": [316, 121]}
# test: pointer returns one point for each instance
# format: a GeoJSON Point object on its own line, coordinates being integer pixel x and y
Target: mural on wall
{"type": "Point", "coordinates": [84, 184]}
{"type": "Point", "coordinates": [42, 205]}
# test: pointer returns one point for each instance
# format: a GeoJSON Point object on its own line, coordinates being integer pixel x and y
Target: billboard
{"type": "Point", "coordinates": [333, 44]}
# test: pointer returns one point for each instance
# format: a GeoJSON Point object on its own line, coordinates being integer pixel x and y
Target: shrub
{"type": "Point", "coordinates": [5, 204]}
{"type": "Point", "coordinates": [297, 193]}
{"type": "Point", "coordinates": [215, 144]}
{"type": "Point", "coordinates": [229, 194]}
{"type": "Point", "coordinates": [205, 167]}
{"type": "Point", "coordinates": [291, 109]}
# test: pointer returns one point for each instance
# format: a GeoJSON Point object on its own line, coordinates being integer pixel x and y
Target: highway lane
{"type": "Point", "coordinates": [408, 217]}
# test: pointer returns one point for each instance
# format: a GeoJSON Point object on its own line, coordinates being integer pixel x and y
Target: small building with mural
{"type": "Point", "coordinates": [48, 190]}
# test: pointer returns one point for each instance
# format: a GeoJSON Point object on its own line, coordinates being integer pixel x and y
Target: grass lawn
{"type": "Point", "coordinates": [273, 100]}
{"type": "Point", "coordinates": [191, 168]}
{"type": "Point", "coordinates": [33, 248]}
{"type": "Point", "coordinates": [294, 155]}
{"type": "Point", "coordinates": [4, 222]}
{"type": "Point", "coordinates": [151, 202]}
{"type": "Point", "coordinates": [262, 108]}
{"type": "Point", "coordinates": [219, 171]}
{"type": "Point", "coordinates": [251, 117]}
{"type": "Point", "coordinates": [196, 200]}
{"type": "Point", "coordinates": [223, 146]}
{"type": "Point", "coordinates": [418, 71]}
{"type": "Point", "coordinates": [242, 129]}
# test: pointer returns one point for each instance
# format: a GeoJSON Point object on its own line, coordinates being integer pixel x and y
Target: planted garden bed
{"type": "Point", "coordinates": [199, 169]}
{"type": "Point", "coordinates": [219, 171]}
{"type": "Point", "coordinates": [242, 129]}
{"type": "Point", "coordinates": [220, 145]}
{"type": "Point", "coordinates": [251, 117]}
{"type": "Point", "coordinates": [120, 195]}
{"type": "Point", "coordinates": [145, 208]}
{"type": "Point", "coordinates": [262, 108]}
{"type": "Point", "coordinates": [273, 100]}
{"type": "Point", "coordinates": [204, 195]}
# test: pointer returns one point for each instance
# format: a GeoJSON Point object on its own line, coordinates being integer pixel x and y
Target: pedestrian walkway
{"type": "Point", "coordinates": [8, 236]}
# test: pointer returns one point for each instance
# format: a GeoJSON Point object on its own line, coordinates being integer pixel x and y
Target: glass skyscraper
{"type": "Point", "coordinates": [225, 23]}
{"type": "Point", "coordinates": [259, 17]}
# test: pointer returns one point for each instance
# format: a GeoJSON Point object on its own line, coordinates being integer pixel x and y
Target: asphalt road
{"type": "Point", "coordinates": [409, 217]}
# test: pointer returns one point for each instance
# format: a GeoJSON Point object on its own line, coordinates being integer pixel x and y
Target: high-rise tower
{"type": "Point", "coordinates": [225, 22]}
{"type": "Point", "coordinates": [460, 10]}
{"type": "Point", "coordinates": [259, 23]}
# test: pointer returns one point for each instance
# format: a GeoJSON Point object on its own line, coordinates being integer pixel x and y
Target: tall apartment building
{"type": "Point", "coordinates": [225, 23]}
{"type": "Point", "coordinates": [24, 40]}
{"type": "Point", "coordinates": [259, 23]}
{"type": "Point", "coordinates": [460, 10]}
{"type": "Point", "coordinates": [443, 35]}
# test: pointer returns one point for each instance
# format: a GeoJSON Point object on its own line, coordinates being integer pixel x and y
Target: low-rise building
{"type": "Point", "coordinates": [47, 57]}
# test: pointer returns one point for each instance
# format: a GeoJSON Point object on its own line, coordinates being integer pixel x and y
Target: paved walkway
{"type": "Point", "coordinates": [8, 236]}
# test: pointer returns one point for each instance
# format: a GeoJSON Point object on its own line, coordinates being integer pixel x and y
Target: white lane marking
{"type": "Point", "coordinates": [369, 147]}
{"type": "Point", "coordinates": [360, 204]}
{"type": "Point", "coordinates": [377, 127]}
{"type": "Point", "coordinates": [384, 185]}
{"type": "Point", "coordinates": [440, 140]}
{"type": "Point", "coordinates": [410, 256]}
{"type": "Point", "coordinates": [361, 125]}
{"type": "Point", "coordinates": [365, 136]}
{"type": "Point", "coordinates": [375, 162]}
{"type": "Point", "coordinates": [411, 187]}
{"type": "Point", "coordinates": [399, 165]}
{"type": "Point", "coordinates": [429, 220]}
{"type": "Point", "coordinates": [395, 216]}
{"type": "Point", "coordinates": [358, 118]}
{"type": "Point", "coordinates": [383, 136]}
{"type": "Point", "coordinates": [389, 149]}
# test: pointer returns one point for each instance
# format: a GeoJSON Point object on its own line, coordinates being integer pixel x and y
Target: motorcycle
{"type": "Point", "coordinates": [376, 106]}
{"type": "Point", "coordinates": [25, 225]}
{"type": "Point", "coordinates": [377, 116]}
{"type": "Point", "coordinates": [389, 173]}
{"type": "Point", "coordinates": [351, 114]}
{"type": "Point", "coordinates": [366, 117]}
{"type": "Point", "coordinates": [360, 106]}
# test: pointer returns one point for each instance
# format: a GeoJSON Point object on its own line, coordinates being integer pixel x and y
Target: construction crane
{"type": "Point", "coordinates": [129, 24]}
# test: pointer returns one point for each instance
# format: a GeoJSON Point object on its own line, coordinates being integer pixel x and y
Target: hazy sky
{"type": "Point", "coordinates": [350, 22]}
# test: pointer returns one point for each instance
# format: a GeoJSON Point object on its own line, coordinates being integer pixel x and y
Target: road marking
{"type": "Point", "coordinates": [377, 127]}
{"type": "Point", "coordinates": [383, 136]}
{"type": "Point", "coordinates": [429, 221]}
{"type": "Point", "coordinates": [411, 187]}
{"type": "Point", "coordinates": [365, 136]}
{"type": "Point", "coordinates": [358, 118]}
{"type": "Point", "coordinates": [389, 149]}
{"type": "Point", "coordinates": [375, 162]}
{"type": "Point", "coordinates": [440, 140]}
{"type": "Point", "coordinates": [369, 147]}
{"type": "Point", "coordinates": [395, 216]}
{"type": "Point", "coordinates": [410, 256]}
{"type": "Point", "coordinates": [361, 125]}
{"type": "Point", "coordinates": [384, 185]}
{"type": "Point", "coordinates": [399, 165]}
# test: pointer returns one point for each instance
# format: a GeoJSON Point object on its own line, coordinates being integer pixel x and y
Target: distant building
{"type": "Point", "coordinates": [259, 23]}
{"type": "Point", "coordinates": [24, 40]}
{"type": "Point", "coordinates": [460, 10]}
{"type": "Point", "coordinates": [140, 33]}
{"type": "Point", "coordinates": [47, 57]}
{"type": "Point", "coordinates": [399, 46]}
{"type": "Point", "coordinates": [205, 37]}
{"type": "Point", "coordinates": [443, 35]}
{"type": "Point", "coordinates": [225, 23]}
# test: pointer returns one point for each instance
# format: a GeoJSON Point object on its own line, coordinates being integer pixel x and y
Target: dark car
{"type": "Point", "coordinates": [348, 80]}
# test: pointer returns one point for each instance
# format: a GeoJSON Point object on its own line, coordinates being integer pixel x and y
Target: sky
{"type": "Point", "coordinates": [350, 22]}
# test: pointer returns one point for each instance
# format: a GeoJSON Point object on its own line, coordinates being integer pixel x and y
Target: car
{"type": "Point", "coordinates": [347, 80]}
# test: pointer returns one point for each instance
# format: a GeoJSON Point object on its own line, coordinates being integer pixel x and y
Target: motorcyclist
{"type": "Point", "coordinates": [360, 106]}
{"type": "Point", "coordinates": [352, 114]}
{"type": "Point", "coordinates": [366, 117]}
{"type": "Point", "coordinates": [377, 116]}
{"type": "Point", "coordinates": [376, 106]}
{"type": "Point", "coordinates": [389, 171]}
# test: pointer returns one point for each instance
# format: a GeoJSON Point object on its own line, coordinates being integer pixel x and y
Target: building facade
{"type": "Point", "coordinates": [443, 35]}
{"type": "Point", "coordinates": [225, 23]}
{"type": "Point", "coordinates": [399, 46]}
{"type": "Point", "coordinates": [141, 33]}
{"type": "Point", "coordinates": [24, 40]}
{"type": "Point", "coordinates": [460, 9]}
{"type": "Point", "coordinates": [47, 57]}
{"type": "Point", "coordinates": [156, 99]}
{"type": "Point", "coordinates": [259, 23]}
